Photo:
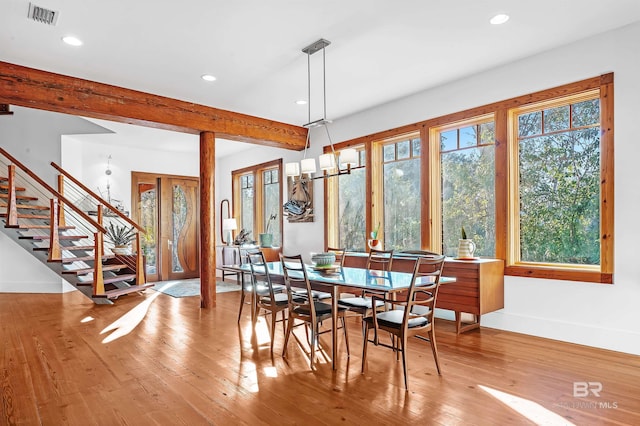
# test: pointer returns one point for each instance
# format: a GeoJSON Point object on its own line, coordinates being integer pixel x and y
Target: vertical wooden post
{"type": "Point", "coordinates": [55, 252]}
{"type": "Point", "coordinates": [207, 221]}
{"type": "Point", "coordinates": [98, 276]}
{"type": "Point", "coordinates": [140, 266]}
{"type": "Point", "coordinates": [100, 212]}
{"type": "Point", "coordinates": [61, 219]}
{"type": "Point", "coordinates": [12, 208]}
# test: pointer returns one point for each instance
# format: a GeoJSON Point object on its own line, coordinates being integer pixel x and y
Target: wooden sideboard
{"type": "Point", "coordinates": [479, 286]}
{"type": "Point", "coordinates": [230, 255]}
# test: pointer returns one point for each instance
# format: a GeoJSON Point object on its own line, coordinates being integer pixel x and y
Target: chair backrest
{"type": "Point", "coordinates": [295, 277]}
{"type": "Point", "coordinates": [340, 254]}
{"type": "Point", "coordinates": [380, 259]}
{"type": "Point", "coordinates": [423, 290]}
{"type": "Point", "coordinates": [259, 271]}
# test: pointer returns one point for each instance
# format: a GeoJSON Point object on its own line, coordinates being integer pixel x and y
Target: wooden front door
{"type": "Point", "coordinates": [167, 207]}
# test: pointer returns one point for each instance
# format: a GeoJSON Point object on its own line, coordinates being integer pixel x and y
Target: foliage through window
{"type": "Point", "coordinates": [352, 207]}
{"type": "Point", "coordinates": [401, 194]}
{"type": "Point", "coordinates": [559, 183]}
{"type": "Point", "coordinates": [467, 169]}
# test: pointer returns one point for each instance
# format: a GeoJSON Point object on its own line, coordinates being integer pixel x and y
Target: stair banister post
{"type": "Point", "coordinates": [98, 278]}
{"type": "Point", "coordinates": [100, 212]}
{"type": "Point", "coordinates": [55, 252]}
{"type": "Point", "coordinates": [140, 266]}
{"type": "Point", "coordinates": [12, 208]}
{"type": "Point", "coordinates": [61, 218]}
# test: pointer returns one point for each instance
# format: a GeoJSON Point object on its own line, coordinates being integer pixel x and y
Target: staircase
{"type": "Point", "coordinates": [49, 223]}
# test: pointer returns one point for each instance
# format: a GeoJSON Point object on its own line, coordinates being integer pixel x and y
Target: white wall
{"type": "Point", "coordinates": [600, 315]}
{"type": "Point", "coordinates": [88, 161]}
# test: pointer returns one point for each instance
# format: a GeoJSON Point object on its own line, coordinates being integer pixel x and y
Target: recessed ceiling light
{"type": "Point", "coordinates": [301, 102]}
{"type": "Point", "coordinates": [499, 19]}
{"type": "Point", "coordinates": [208, 77]}
{"type": "Point", "coordinates": [72, 41]}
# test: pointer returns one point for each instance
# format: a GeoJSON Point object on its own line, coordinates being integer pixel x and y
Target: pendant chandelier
{"type": "Point", "coordinates": [331, 163]}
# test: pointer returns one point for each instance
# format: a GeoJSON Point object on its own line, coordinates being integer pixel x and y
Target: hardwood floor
{"type": "Point", "coordinates": [172, 363]}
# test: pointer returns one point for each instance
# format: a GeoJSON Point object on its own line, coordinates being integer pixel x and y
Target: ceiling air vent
{"type": "Point", "coordinates": [40, 14]}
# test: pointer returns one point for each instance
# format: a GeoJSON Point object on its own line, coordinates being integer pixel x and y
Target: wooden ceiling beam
{"type": "Point", "coordinates": [32, 88]}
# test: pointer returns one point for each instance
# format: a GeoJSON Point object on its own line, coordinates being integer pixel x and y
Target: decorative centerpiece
{"type": "Point", "coordinates": [323, 260]}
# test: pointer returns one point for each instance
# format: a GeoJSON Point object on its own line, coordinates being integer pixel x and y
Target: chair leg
{"type": "Point", "coordinates": [364, 345]}
{"type": "Point", "coordinates": [241, 306]}
{"type": "Point", "coordinates": [314, 336]}
{"type": "Point", "coordinates": [274, 315]}
{"type": "Point", "coordinates": [346, 336]}
{"type": "Point", "coordinates": [286, 336]}
{"type": "Point", "coordinates": [403, 342]}
{"type": "Point", "coordinates": [434, 349]}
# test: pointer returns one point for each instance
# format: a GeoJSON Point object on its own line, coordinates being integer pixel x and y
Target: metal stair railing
{"type": "Point", "coordinates": [20, 177]}
{"type": "Point", "coordinates": [106, 213]}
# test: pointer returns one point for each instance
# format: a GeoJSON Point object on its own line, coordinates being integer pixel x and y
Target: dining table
{"type": "Point", "coordinates": [334, 279]}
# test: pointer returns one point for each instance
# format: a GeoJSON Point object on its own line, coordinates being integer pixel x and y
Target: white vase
{"type": "Point", "coordinates": [121, 250]}
{"type": "Point", "coordinates": [466, 248]}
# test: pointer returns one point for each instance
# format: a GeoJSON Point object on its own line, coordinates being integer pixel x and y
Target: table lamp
{"type": "Point", "coordinates": [229, 225]}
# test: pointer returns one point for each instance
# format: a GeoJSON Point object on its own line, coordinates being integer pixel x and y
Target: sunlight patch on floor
{"type": "Point", "coordinates": [527, 408]}
{"type": "Point", "coordinates": [126, 323]}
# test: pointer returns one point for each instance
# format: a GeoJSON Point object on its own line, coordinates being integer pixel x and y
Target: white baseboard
{"type": "Point", "coordinates": [36, 287]}
{"type": "Point", "coordinates": [627, 341]}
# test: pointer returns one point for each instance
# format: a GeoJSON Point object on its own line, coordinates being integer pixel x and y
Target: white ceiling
{"type": "Point", "coordinates": [380, 49]}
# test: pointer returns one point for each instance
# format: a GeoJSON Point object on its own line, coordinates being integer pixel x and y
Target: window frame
{"type": "Point", "coordinates": [604, 273]}
{"type": "Point", "coordinates": [258, 187]}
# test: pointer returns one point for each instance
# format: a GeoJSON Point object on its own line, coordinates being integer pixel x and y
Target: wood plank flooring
{"type": "Point", "coordinates": [156, 360]}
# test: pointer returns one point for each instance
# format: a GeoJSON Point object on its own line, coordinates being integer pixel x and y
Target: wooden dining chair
{"type": "Point", "coordinates": [305, 308]}
{"type": "Point", "coordinates": [340, 255]}
{"type": "Point", "coordinates": [413, 315]}
{"type": "Point", "coordinates": [268, 296]}
{"type": "Point", "coordinates": [363, 305]}
{"type": "Point", "coordinates": [380, 259]}
{"type": "Point", "coordinates": [252, 290]}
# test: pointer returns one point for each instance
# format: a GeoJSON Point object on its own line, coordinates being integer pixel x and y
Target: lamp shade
{"type": "Point", "coordinates": [292, 169]}
{"type": "Point", "coordinates": [229, 224]}
{"type": "Point", "coordinates": [327, 162]}
{"type": "Point", "coordinates": [308, 165]}
{"type": "Point", "coordinates": [349, 156]}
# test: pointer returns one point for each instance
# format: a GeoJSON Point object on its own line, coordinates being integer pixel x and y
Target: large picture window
{"type": "Point", "coordinates": [558, 186]}
{"type": "Point", "coordinates": [529, 178]}
{"type": "Point", "coordinates": [467, 190]}
{"type": "Point", "coordinates": [401, 193]}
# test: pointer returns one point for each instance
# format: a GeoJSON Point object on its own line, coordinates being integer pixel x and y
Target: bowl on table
{"type": "Point", "coordinates": [321, 260]}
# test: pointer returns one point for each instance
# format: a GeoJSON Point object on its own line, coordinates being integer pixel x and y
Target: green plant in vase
{"type": "Point", "coordinates": [266, 238]}
{"type": "Point", "coordinates": [374, 242]}
{"type": "Point", "coordinates": [121, 237]}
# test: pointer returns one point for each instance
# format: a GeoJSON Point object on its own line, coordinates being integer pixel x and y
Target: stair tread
{"type": "Point", "coordinates": [85, 258]}
{"type": "Point", "coordinates": [17, 188]}
{"type": "Point", "coordinates": [20, 197]}
{"type": "Point", "coordinates": [60, 228]}
{"type": "Point", "coordinates": [66, 248]}
{"type": "Point", "coordinates": [47, 237]}
{"type": "Point", "coordinates": [84, 271]}
{"type": "Point", "coordinates": [28, 216]}
{"type": "Point", "coordinates": [110, 294]}
{"type": "Point", "coordinates": [110, 280]}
